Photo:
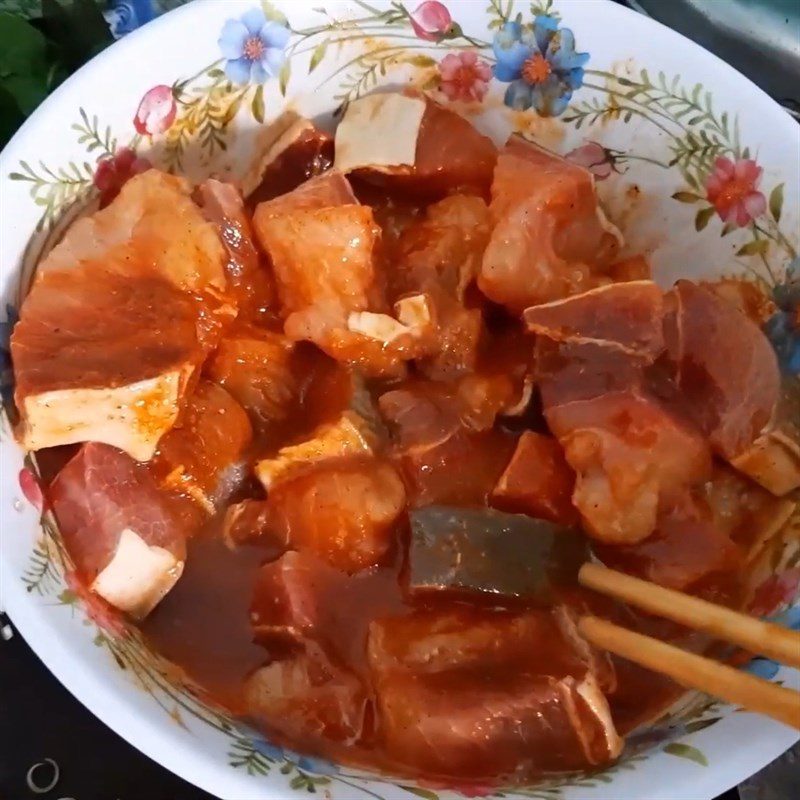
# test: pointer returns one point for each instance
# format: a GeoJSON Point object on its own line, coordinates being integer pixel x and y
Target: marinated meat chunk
{"type": "Point", "coordinates": [725, 368]}
{"type": "Point", "coordinates": [542, 709]}
{"type": "Point", "coordinates": [537, 481]}
{"type": "Point", "coordinates": [687, 548]}
{"type": "Point", "coordinates": [350, 435]}
{"type": "Point", "coordinates": [407, 143]}
{"type": "Point", "coordinates": [629, 454]}
{"type": "Point", "coordinates": [342, 511]}
{"type": "Point", "coordinates": [482, 552]}
{"type": "Point", "coordinates": [550, 237]}
{"type": "Point", "coordinates": [100, 357]}
{"type": "Point", "coordinates": [323, 191]}
{"type": "Point", "coordinates": [246, 522]}
{"type": "Point", "coordinates": [309, 698]}
{"type": "Point", "coordinates": [127, 542]}
{"type": "Point", "coordinates": [201, 457]}
{"type": "Point", "coordinates": [626, 316]}
{"type": "Point", "coordinates": [290, 596]}
{"type": "Point", "coordinates": [248, 280]}
{"type": "Point", "coordinates": [255, 366]}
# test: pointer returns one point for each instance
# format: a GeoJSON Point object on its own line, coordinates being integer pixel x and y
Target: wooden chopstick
{"type": "Point", "coordinates": [755, 635]}
{"type": "Point", "coordinates": [696, 672]}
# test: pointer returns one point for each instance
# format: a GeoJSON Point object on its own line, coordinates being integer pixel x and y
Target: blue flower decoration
{"type": "Point", "coordinates": [124, 16]}
{"type": "Point", "coordinates": [253, 47]}
{"type": "Point", "coordinates": [782, 328]}
{"type": "Point", "coordinates": [765, 667]}
{"type": "Point", "coordinates": [540, 64]}
{"type": "Point", "coordinates": [317, 766]}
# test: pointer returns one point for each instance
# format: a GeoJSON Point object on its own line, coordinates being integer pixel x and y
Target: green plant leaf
{"type": "Point", "coordinates": [776, 202]}
{"type": "Point", "coordinates": [272, 13]}
{"type": "Point", "coordinates": [257, 106]}
{"type": "Point", "coordinates": [23, 63]}
{"type": "Point", "coordinates": [756, 247]}
{"type": "Point", "coordinates": [686, 197]}
{"type": "Point", "coordinates": [284, 75]}
{"type": "Point", "coordinates": [701, 724]}
{"type": "Point", "coordinates": [686, 751]}
{"type": "Point", "coordinates": [427, 794]}
{"type": "Point", "coordinates": [702, 217]}
{"type": "Point", "coordinates": [317, 55]}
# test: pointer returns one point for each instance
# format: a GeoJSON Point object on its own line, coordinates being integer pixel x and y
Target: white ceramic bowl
{"type": "Point", "coordinates": [652, 118]}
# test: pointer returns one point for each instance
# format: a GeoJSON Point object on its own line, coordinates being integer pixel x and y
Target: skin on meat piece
{"type": "Point", "coordinates": [550, 237]}
{"type": "Point", "coordinates": [411, 145]}
{"type": "Point", "coordinates": [542, 710]}
{"type": "Point", "coordinates": [343, 511]}
{"type": "Point", "coordinates": [308, 698]}
{"type": "Point", "coordinates": [201, 457]}
{"type": "Point", "coordinates": [624, 316]}
{"type": "Point", "coordinates": [124, 535]}
{"type": "Point", "coordinates": [537, 481]}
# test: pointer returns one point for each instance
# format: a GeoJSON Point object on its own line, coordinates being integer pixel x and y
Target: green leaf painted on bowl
{"type": "Point", "coordinates": [686, 751]}
{"type": "Point", "coordinates": [776, 202]}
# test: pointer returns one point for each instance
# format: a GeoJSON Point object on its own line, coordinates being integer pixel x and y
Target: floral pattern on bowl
{"type": "Point", "coordinates": [513, 67]}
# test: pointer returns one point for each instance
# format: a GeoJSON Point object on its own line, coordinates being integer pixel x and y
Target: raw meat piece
{"type": "Point", "coordinates": [255, 366]}
{"type": "Point", "coordinates": [542, 709]}
{"type": "Point", "coordinates": [248, 280]}
{"type": "Point", "coordinates": [342, 511]}
{"type": "Point", "coordinates": [625, 316]}
{"type": "Point", "coordinates": [725, 368]}
{"type": "Point", "coordinates": [123, 535]}
{"type": "Point", "coordinates": [201, 457]}
{"type": "Point", "coordinates": [550, 238]}
{"type": "Point", "coordinates": [245, 522]}
{"type": "Point", "coordinates": [537, 481]}
{"type": "Point", "coordinates": [629, 454]}
{"type": "Point", "coordinates": [308, 698]}
{"type": "Point", "coordinates": [409, 144]}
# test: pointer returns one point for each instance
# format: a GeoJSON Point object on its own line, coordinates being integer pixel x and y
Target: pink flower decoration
{"type": "Point", "coordinates": [156, 111]}
{"type": "Point", "coordinates": [431, 21]}
{"type": "Point", "coordinates": [775, 592]}
{"type": "Point", "coordinates": [32, 491]}
{"type": "Point", "coordinates": [464, 76]}
{"type": "Point", "coordinates": [103, 614]}
{"type": "Point", "coordinates": [594, 157]}
{"type": "Point", "coordinates": [731, 189]}
{"type": "Point", "coordinates": [114, 171]}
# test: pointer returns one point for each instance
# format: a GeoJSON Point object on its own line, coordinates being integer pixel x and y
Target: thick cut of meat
{"type": "Point", "coordinates": [629, 454]}
{"type": "Point", "coordinates": [457, 339]}
{"type": "Point", "coordinates": [323, 191]}
{"type": "Point", "coordinates": [342, 511]}
{"type": "Point", "coordinates": [724, 367]}
{"type": "Point", "coordinates": [245, 522]}
{"type": "Point", "coordinates": [442, 460]}
{"type": "Point", "coordinates": [625, 316]}
{"type": "Point", "coordinates": [550, 238]}
{"type": "Point", "coordinates": [409, 144]}
{"type": "Point", "coordinates": [123, 535]}
{"type": "Point", "coordinates": [308, 698]}
{"type": "Point", "coordinates": [122, 311]}
{"type": "Point", "coordinates": [542, 710]}
{"type": "Point", "coordinates": [687, 548]}
{"type": "Point", "coordinates": [294, 152]}
{"type": "Point", "coordinates": [102, 357]}
{"type": "Point", "coordinates": [201, 457]}
{"type": "Point", "coordinates": [255, 366]}
{"type": "Point", "coordinates": [290, 597]}
{"type": "Point", "coordinates": [537, 481]}
{"type": "Point", "coordinates": [151, 226]}
{"type": "Point", "coordinates": [444, 248]}
{"type": "Point", "coordinates": [248, 280]}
